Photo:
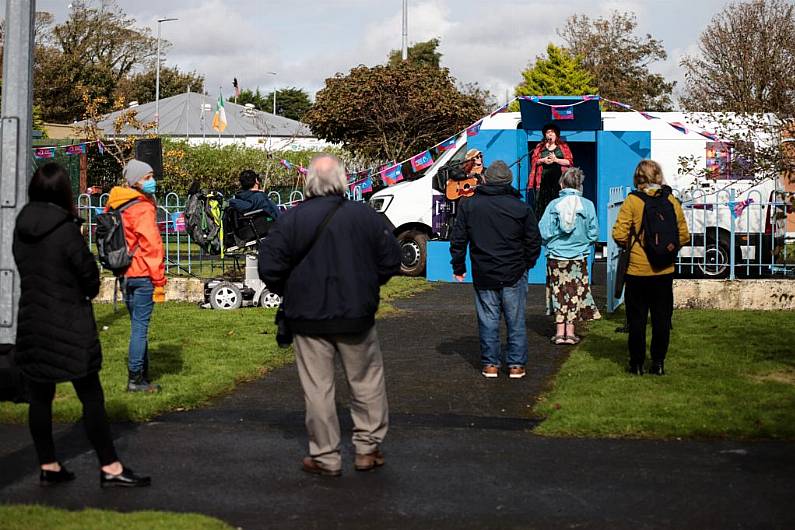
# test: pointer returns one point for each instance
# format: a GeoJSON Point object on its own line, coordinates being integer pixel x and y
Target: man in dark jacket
{"type": "Point", "coordinates": [504, 242]}
{"type": "Point", "coordinates": [328, 258]}
{"type": "Point", "coordinates": [250, 198]}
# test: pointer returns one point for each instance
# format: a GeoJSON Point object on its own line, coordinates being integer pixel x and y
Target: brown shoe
{"type": "Point", "coordinates": [368, 462]}
{"type": "Point", "coordinates": [310, 466]}
{"type": "Point", "coordinates": [490, 371]}
{"type": "Point", "coordinates": [516, 372]}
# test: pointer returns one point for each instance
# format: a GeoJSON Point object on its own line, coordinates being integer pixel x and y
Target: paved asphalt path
{"type": "Point", "coordinates": [460, 452]}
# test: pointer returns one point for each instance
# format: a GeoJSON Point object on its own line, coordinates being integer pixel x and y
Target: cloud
{"type": "Point", "coordinates": [306, 41]}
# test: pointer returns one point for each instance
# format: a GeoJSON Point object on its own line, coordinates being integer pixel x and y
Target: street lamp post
{"type": "Point", "coordinates": [274, 93]}
{"type": "Point", "coordinates": [157, 75]}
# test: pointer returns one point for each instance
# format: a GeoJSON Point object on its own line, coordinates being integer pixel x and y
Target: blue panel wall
{"type": "Point", "coordinates": [507, 145]}
{"type": "Point", "coordinates": [617, 154]}
{"type": "Point", "coordinates": [438, 267]}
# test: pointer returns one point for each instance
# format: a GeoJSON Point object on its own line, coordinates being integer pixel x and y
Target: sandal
{"type": "Point", "coordinates": [572, 339]}
{"type": "Point", "coordinates": [558, 340]}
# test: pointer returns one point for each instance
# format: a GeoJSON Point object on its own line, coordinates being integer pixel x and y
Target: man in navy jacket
{"type": "Point", "coordinates": [328, 258]}
{"type": "Point", "coordinates": [250, 198]}
{"type": "Point", "coordinates": [504, 242]}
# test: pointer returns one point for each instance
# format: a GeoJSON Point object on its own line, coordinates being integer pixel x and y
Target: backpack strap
{"type": "Point", "coordinates": [120, 209]}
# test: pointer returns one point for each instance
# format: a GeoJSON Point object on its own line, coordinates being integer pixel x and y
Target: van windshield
{"type": "Point", "coordinates": [440, 180]}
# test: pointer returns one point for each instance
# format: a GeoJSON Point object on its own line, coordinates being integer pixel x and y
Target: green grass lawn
{"type": "Point", "coordinates": [196, 354]}
{"type": "Point", "coordinates": [729, 374]}
{"type": "Point", "coordinates": [31, 517]}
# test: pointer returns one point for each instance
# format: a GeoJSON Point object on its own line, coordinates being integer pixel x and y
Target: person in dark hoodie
{"type": "Point", "coordinates": [251, 198]}
{"type": "Point", "coordinates": [57, 336]}
{"type": "Point", "coordinates": [328, 258]}
{"type": "Point", "coordinates": [503, 239]}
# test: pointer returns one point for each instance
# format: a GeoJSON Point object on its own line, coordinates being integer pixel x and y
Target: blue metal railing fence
{"type": "Point", "coordinates": [730, 237]}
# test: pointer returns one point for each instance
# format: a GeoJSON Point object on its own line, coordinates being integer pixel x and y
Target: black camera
{"type": "Point", "coordinates": [284, 335]}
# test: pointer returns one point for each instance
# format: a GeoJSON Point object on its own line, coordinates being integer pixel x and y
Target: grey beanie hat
{"type": "Point", "coordinates": [498, 173]}
{"type": "Point", "coordinates": [135, 170]}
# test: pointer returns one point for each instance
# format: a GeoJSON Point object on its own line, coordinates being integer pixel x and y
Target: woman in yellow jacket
{"type": "Point", "coordinates": [647, 288]}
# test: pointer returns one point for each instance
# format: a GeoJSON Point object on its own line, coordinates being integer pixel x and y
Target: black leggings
{"type": "Point", "coordinates": [644, 295]}
{"type": "Point", "coordinates": [89, 391]}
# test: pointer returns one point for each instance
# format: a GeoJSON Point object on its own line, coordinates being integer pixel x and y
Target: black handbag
{"type": "Point", "coordinates": [12, 383]}
{"type": "Point", "coordinates": [623, 264]}
{"type": "Point", "coordinates": [284, 335]}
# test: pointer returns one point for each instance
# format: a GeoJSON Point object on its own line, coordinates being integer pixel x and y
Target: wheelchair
{"type": "Point", "coordinates": [242, 234]}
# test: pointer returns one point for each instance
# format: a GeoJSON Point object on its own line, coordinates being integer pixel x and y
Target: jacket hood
{"type": "Point", "coordinates": [567, 208]}
{"type": "Point", "coordinates": [497, 189]}
{"type": "Point", "coordinates": [242, 200]}
{"type": "Point", "coordinates": [38, 219]}
{"type": "Point", "coordinates": [119, 195]}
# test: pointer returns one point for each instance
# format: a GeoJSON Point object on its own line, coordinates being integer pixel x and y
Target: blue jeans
{"type": "Point", "coordinates": [138, 299]}
{"type": "Point", "coordinates": [490, 305]}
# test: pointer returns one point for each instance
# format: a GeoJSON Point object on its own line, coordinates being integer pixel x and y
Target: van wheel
{"type": "Point", "coordinates": [226, 295]}
{"type": "Point", "coordinates": [715, 263]}
{"type": "Point", "coordinates": [412, 252]}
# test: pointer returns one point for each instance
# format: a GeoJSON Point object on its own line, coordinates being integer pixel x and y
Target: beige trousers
{"type": "Point", "coordinates": [364, 369]}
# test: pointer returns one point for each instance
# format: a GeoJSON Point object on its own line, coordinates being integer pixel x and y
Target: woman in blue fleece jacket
{"type": "Point", "coordinates": [568, 229]}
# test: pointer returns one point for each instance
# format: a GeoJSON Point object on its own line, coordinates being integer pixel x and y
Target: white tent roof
{"type": "Point", "coordinates": [182, 115]}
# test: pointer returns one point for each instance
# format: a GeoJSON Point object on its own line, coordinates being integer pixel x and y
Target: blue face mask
{"type": "Point", "coordinates": [149, 186]}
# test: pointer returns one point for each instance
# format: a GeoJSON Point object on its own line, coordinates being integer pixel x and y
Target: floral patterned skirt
{"type": "Point", "coordinates": [568, 291]}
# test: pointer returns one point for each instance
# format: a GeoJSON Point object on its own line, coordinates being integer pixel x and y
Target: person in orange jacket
{"type": "Point", "coordinates": [144, 281]}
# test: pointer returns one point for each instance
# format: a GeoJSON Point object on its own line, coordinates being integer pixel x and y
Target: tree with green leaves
{"type": "Point", "coordinates": [291, 102]}
{"type": "Point", "coordinates": [390, 112]}
{"type": "Point", "coordinates": [255, 98]}
{"type": "Point", "coordinates": [619, 60]}
{"type": "Point", "coordinates": [95, 48]}
{"type": "Point", "coordinates": [141, 87]}
{"type": "Point", "coordinates": [420, 53]}
{"type": "Point", "coordinates": [557, 74]}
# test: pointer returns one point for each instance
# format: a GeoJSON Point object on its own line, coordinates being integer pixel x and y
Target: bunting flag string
{"type": "Point", "coordinates": [69, 150]}
{"type": "Point", "coordinates": [537, 100]}
{"type": "Point", "coordinates": [738, 207]}
{"type": "Point", "coordinates": [421, 161]}
{"type": "Point", "coordinates": [679, 126]}
{"type": "Point", "coordinates": [392, 173]}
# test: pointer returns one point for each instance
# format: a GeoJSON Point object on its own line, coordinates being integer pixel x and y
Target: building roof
{"type": "Point", "coordinates": [182, 115]}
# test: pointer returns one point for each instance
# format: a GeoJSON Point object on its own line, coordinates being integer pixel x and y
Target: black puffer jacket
{"type": "Point", "coordinates": [335, 289]}
{"type": "Point", "coordinates": [502, 235]}
{"type": "Point", "coordinates": [57, 336]}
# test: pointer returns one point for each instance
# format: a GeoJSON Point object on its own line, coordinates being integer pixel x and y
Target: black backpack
{"type": "Point", "coordinates": [200, 222]}
{"type": "Point", "coordinates": [112, 248]}
{"type": "Point", "coordinates": [660, 228]}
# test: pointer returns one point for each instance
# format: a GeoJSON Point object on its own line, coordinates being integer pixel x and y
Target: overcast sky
{"type": "Point", "coordinates": [306, 41]}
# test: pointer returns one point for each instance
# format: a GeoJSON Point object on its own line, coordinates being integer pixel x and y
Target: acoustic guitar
{"type": "Point", "coordinates": [460, 188]}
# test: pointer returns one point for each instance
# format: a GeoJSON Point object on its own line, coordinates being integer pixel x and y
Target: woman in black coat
{"type": "Point", "coordinates": [57, 336]}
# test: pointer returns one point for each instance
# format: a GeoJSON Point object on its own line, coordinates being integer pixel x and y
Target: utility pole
{"type": "Point", "coordinates": [15, 146]}
{"type": "Point", "coordinates": [405, 53]}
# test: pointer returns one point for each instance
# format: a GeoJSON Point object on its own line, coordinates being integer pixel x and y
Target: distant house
{"type": "Point", "coordinates": [190, 116]}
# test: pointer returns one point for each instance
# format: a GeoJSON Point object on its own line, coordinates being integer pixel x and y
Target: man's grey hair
{"type": "Point", "coordinates": [572, 178]}
{"type": "Point", "coordinates": [325, 176]}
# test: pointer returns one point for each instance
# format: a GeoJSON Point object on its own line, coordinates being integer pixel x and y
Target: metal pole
{"type": "Point", "coordinates": [405, 52]}
{"type": "Point", "coordinates": [157, 75]}
{"type": "Point", "coordinates": [15, 149]}
{"type": "Point", "coordinates": [274, 92]}
{"type": "Point", "coordinates": [157, 83]}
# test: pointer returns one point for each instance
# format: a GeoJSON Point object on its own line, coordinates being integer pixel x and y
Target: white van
{"type": "Point", "coordinates": [607, 146]}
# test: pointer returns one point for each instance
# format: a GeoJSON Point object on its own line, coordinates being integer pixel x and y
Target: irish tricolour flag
{"type": "Point", "coordinates": [219, 119]}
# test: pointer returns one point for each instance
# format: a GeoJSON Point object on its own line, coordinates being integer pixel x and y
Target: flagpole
{"type": "Point", "coordinates": [220, 98]}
